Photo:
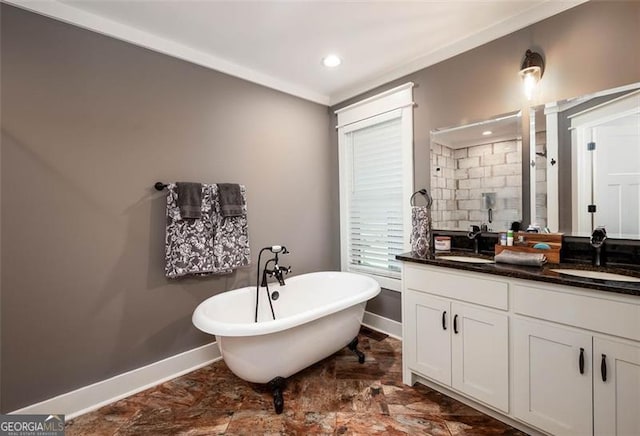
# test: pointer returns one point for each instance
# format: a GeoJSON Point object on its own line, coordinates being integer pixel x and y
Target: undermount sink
{"type": "Point", "coordinates": [466, 259]}
{"type": "Point", "coordinates": [597, 275]}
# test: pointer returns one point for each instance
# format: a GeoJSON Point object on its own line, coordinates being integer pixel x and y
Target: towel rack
{"type": "Point", "coordinates": [426, 196]}
{"type": "Point", "coordinates": [160, 186]}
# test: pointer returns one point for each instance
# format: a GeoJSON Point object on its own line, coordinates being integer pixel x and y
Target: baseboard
{"type": "Point", "coordinates": [382, 324]}
{"type": "Point", "coordinates": [94, 396]}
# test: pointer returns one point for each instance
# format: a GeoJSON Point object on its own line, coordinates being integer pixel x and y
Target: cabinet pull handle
{"type": "Point", "coordinates": [603, 368]}
{"type": "Point", "coordinates": [581, 361]}
{"type": "Point", "coordinates": [444, 320]}
{"type": "Point", "coordinates": [455, 323]}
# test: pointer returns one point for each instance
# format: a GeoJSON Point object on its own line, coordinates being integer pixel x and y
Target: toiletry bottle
{"type": "Point", "coordinates": [503, 239]}
{"type": "Point", "coordinates": [510, 238]}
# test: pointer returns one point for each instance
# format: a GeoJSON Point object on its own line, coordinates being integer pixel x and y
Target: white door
{"type": "Point", "coordinates": [427, 339]}
{"type": "Point", "coordinates": [616, 388]}
{"type": "Point", "coordinates": [608, 176]}
{"type": "Point", "coordinates": [480, 354]}
{"type": "Point", "coordinates": [617, 176]}
{"type": "Point", "coordinates": [552, 378]}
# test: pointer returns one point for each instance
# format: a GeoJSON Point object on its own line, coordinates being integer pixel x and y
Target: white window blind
{"type": "Point", "coordinates": [375, 219]}
{"type": "Point", "coordinates": [375, 141]}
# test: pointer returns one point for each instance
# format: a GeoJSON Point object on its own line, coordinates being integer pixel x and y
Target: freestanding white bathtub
{"type": "Point", "coordinates": [317, 314]}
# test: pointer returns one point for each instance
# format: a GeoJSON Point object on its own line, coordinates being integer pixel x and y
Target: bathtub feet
{"type": "Point", "coordinates": [277, 385]}
{"type": "Point", "coordinates": [353, 346]}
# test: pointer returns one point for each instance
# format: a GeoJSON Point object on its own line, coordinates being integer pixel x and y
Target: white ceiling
{"type": "Point", "coordinates": [280, 44]}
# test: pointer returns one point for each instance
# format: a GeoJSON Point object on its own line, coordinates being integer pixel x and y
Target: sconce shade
{"type": "Point", "coordinates": [531, 72]}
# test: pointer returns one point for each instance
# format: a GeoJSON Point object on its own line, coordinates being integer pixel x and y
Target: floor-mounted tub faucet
{"type": "Point", "coordinates": [597, 239]}
{"type": "Point", "coordinates": [277, 271]}
{"type": "Point", "coordinates": [474, 234]}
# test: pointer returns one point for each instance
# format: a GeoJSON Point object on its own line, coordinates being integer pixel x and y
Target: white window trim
{"type": "Point", "coordinates": [394, 103]}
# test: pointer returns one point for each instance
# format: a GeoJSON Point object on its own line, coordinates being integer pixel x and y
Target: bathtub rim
{"type": "Point", "coordinates": [204, 323]}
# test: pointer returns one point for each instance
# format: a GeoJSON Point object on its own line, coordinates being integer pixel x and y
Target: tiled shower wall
{"type": "Point", "coordinates": [443, 188]}
{"type": "Point", "coordinates": [460, 177]}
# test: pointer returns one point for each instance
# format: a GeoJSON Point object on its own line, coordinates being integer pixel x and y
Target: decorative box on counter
{"type": "Point", "coordinates": [524, 243]}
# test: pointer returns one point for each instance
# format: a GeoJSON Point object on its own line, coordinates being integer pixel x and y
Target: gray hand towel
{"type": "Point", "coordinates": [230, 199]}
{"type": "Point", "coordinates": [189, 199]}
{"type": "Point", "coordinates": [518, 258]}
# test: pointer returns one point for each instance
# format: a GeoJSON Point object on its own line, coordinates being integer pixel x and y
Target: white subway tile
{"type": "Point", "coordinates": [469, 162]}
{"type": "Point", "coordinates": [460, 153]}
{"type": "Point", "coordinates": [480, 150]}
{"type": "Point", "coordinates": [493, 182]}
{"type": "Point", "coordinates": [514, 180]}
{"type": "Point", "coordinates": [505, 147]}
{"type": "Point", "coordinates": [461, 174]}
{"type": "Point", "coordinates": [514, 157]}
{"type": "Point", "coordinates": [493, 159]}
{"type": "Point", "coordinates": [506, 170]}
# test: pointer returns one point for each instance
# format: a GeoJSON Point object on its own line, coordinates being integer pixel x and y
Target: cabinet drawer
{"type": "Point", "coordinates": [465, 287]}
{"type": "Point", "coordinates": [598, 314]}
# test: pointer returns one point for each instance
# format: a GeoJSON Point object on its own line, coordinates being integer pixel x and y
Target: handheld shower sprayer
{"type": "Point", "coordinates": [278, 249]}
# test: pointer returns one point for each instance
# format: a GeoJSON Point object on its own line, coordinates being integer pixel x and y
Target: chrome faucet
{"type": "Point", "coordinates": [597, 239]}
{"type": "Point", "coordinates": [474, 234]}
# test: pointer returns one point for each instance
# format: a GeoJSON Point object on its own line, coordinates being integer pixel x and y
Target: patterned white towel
{"type": "Point", "coordinates": [211, 244]}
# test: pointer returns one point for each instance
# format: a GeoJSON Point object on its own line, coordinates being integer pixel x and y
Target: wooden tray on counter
{"type": "Point", "coordinates": [554, 240]}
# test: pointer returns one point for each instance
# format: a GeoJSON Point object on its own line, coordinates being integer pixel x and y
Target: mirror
{"type": "Point", "coordinates": [587, 163]}
{"type": "Point", "coordinates": [476, 174]}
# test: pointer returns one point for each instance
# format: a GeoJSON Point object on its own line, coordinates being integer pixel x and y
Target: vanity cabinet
{"type": "Point", "coordinates": [550, 392]}
{"type": "Point", "coordinates": [565, 381]}
{"type": "Point", "coordinates": [557, 359]}
{"type": "Point", "coordinates": [552, 377]}
{"type": "Point", "coordinates": [463, 346]}
{"type": "Point", "coordinates": [616, 387]}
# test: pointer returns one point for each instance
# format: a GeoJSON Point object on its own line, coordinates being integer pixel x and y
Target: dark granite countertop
{"type": "Point", "coordinates": [541, 274]}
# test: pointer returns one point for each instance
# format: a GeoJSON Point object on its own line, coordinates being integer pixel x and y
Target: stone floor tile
{"type": "Point", "coordinates": [335, 396]}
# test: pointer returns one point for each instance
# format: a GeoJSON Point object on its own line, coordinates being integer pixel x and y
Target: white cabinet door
{"type": "Point", "coordinates": [616, 388]}
{"type": "Point", "coordinates": [480, 354]}
{"type": "Point", "coordinates": [552, 378]}
{"type": "Point", "coordinates": [427, 338]}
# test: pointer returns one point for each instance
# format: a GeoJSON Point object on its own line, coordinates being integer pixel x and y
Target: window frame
{"type": "Point", "coordinates": [391, 104]}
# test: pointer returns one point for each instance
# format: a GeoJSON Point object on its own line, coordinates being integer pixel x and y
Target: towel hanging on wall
{"type": "Point", "coordinates": [231, 234]}
{"type": "Point", "coordinates": [420, 225]}
{"type": "Point", "coordinates": [189, 199]}
{"type": "Point", "coordinates": [211, 244]}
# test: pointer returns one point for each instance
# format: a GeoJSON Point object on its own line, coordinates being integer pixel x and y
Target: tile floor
{"type": "Point", "coordinates": [337, 396]}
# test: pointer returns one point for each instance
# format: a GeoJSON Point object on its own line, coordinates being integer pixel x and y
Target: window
{"type": "Point", "coordinates": [375, 138]}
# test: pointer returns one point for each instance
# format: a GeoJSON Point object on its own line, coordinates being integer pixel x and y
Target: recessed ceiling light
{"type": "Point", "coordinates": [331, 61]}
{"type": "Point", "coordinates": [487, 132]}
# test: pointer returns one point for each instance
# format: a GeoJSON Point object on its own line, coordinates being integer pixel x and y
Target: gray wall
{"type": "Point", "coordinates": [591, 47]}
{"type": "Point", "coordinates": [89, 124]}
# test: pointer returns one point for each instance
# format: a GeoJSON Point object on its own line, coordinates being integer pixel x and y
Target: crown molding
{"type": "Point", "coordinates": [95, 23]}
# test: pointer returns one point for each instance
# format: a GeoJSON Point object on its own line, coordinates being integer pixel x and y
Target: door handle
{"type": "Point", "coordinates": [581, 361]}
{"type": "Point", "coordinates": [444, 320]}
{"type": "Point", "coordinates": [455, 323]}
{"type": "Point", "coordinates": [603, 368]}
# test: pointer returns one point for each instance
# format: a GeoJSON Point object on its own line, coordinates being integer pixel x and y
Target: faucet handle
{"type": "Point", "coordinates": [598, 237]}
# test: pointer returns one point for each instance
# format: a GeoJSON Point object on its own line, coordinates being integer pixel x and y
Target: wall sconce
{"type": "Point", "coordinates": [531, 72]}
